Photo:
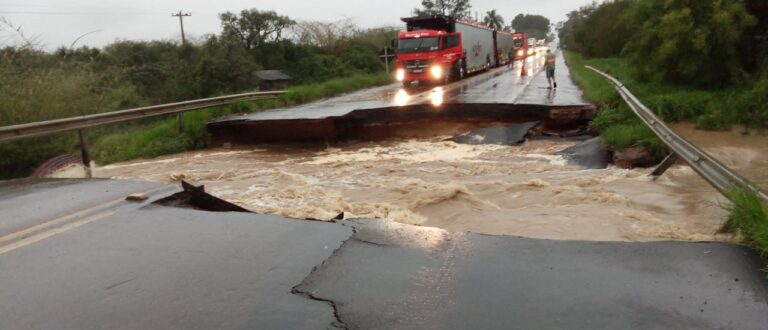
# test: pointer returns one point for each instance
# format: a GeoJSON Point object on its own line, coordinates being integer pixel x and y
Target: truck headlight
{"type": "Point", "coordinates": [520, 53]}
{"type": "Point", "coordinates": [436, 72]}
{"type": "Point", "coordinates": [400, 75]}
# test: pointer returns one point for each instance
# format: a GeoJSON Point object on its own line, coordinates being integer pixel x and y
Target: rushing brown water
{"type": "Point", "coordinates": [523, 190]}
{"type": "Point", "coordinates": [747, 154]}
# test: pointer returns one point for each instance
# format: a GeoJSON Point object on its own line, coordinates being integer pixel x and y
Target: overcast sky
{"type": "Point", "coordinates": [60, 22]}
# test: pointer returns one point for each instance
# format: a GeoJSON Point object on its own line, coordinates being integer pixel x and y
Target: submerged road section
{"type": "Point", "coordinates": [508, 94]}
{"type": "Point", "coordinates": [137, 265]}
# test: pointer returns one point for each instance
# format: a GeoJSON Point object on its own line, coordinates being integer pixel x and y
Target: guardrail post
{"type": "Point", "coordinates": [84, 154]}
{"type": "Point", "coordinates": [181, 122]}
{"type": "Point", "coordinates": [665, 165]}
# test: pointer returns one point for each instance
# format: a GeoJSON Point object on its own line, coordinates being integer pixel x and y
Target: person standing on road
{"type": "Point", "coordinates": [550, 60]}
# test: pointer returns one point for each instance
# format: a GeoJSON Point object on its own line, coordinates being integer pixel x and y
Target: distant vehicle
{"type": "Point", "coordinates": [531, 46]}
{"type": "Point", "coordinates": [442, 49]}
{"type": "Point", "coordinates": [521, 45]}
{"type": "Point", "coordinates": [505, 48]}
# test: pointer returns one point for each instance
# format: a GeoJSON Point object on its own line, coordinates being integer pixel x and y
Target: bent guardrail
{"type": "Point", "coordinates": [16, 132]}
{"type": "Point", "coordinates": [717, 174]}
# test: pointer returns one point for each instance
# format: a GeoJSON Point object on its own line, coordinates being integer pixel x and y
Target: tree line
{"type": "Point", "coordinates": [709, 44]}
{"type": "Point", "coordinates": [134, 73]}
{"type": "Point", "coordinates": [535, 26]}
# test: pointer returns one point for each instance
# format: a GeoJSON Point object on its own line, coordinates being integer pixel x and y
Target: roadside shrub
{"type": "Point", "coordinates": [679, 106]}
{"type": "Point", "coordinates": [611, 115]}
{"type": "Point", "coordinates": [630, 135]}
{"type": "Point", "coordinates": [751, 107]}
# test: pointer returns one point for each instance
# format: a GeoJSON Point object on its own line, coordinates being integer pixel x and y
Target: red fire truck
{"type": "Point", "coordinates": [441, 49]}
{"type": "Point", "coordinates": [522, 48]}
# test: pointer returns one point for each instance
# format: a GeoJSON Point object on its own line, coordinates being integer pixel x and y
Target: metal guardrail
{"type": "Point", "coordinates": [16, 132]}
{"type": "Point", "coordinates": [719, 176]}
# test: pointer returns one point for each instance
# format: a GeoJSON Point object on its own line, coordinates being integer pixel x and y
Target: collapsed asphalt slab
{"type": "Point", "coordinates": [499, 135]}
{"type": "Point", "coordinates": [590, 154]}
{"type": "Point", "coordinates": [393, 276]}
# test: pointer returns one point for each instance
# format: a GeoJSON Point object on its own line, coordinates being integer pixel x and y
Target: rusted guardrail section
{"type": "Point", "coordinates": [717, 174]}
{"type": "Point", "coordinates": [16, 132]}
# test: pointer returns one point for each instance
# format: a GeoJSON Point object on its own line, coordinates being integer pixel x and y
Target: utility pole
{"type": "Point", "coordinates": [181, 16]}
{"type": "Point", "coordinates": [387, 56]}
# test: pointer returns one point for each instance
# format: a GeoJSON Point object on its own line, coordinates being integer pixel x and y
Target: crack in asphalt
{"type": "Point", "coordinates": [369, 242]}
{"type": "Point", "coordinates": [339, 323]}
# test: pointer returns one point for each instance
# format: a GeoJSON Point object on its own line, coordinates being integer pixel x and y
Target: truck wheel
{"type": "Point", "coordinates": [461, 70]}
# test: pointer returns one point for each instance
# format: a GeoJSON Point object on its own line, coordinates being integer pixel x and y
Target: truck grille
{"type": "Point", "coordinates": [417, 66]}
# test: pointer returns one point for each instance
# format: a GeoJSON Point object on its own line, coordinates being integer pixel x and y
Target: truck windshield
{"type": "Point", "coordinates": [518, 43]}
{"type": "Point", "coordinates": [415, 45]}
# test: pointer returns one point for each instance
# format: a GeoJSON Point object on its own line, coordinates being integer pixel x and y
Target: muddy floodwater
{"type": "Point", "coordinates": [747, 154]}
{"type": "Point", "coordinates": [504, 190]}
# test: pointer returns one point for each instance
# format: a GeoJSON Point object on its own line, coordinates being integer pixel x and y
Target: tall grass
{"type": "Point", "coordinates": [749, 215]}
{"type": "Point", "coordinates": [34, 94]}
{"type": "Point", "coordinates": [618, 125]}
{"type": "Point", "coordinates": [709, 109]}
{"type": "Point", "coordinates": [144, 138]}
{"type": "Point", "coordinates": [715, 109]}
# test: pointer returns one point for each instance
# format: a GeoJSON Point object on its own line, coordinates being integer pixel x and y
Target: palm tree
{"type": "Point", "coordinates": [494, 20]}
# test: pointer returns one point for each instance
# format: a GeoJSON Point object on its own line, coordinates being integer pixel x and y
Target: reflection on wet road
{"type": "Point", "coordinates": [522, 83]}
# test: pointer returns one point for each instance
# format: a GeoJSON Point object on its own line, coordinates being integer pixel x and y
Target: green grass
{"type": "Point", "coordinates": [155, 137]}
{"type": "Point", "coordinates": [618, 125]}
{"type": "Point", "coordinates": [749, 215]}
{"type": "Point", "coordinates": [709, 109]}
{"type": "Point", "coordinates": [161, 137]}
{"type": "Point", "coordinates": [715, 109]}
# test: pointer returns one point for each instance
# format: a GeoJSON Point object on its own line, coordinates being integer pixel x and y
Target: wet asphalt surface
{"type": "Point", "coordinates": [501, 96]}
{"type": "Point", "coordinates": [135, 265]}
{"type": "Point", "coordinates": [502, 85]}
{"type": "Point", "coordinates": [75, 255]}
